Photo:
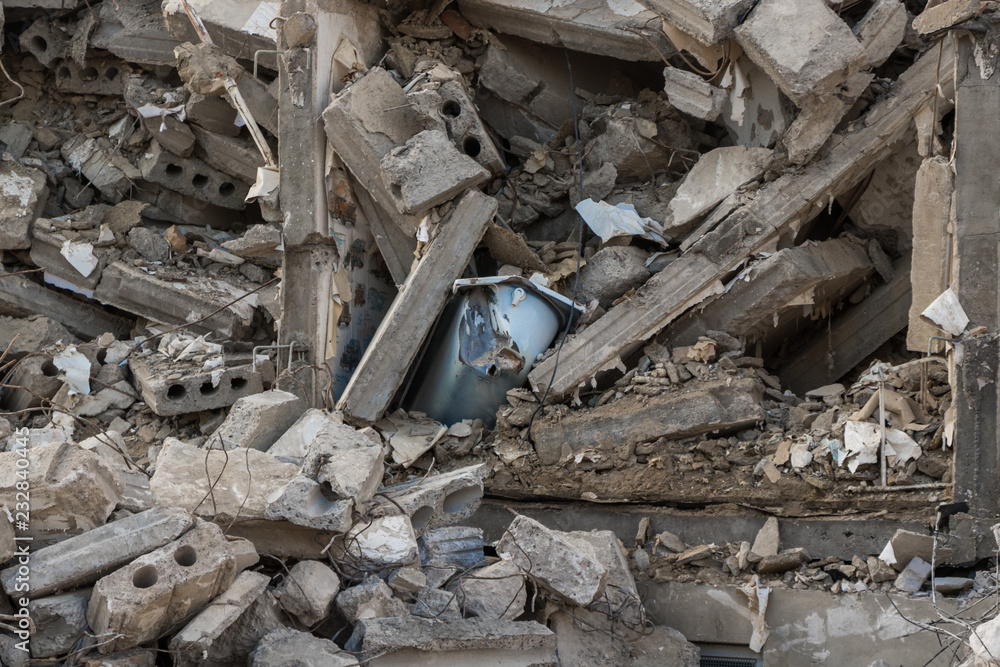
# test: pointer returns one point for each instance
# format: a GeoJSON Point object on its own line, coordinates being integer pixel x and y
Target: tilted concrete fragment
{"type": "Point", "coordinates": [23, 192]}
{"type": "Point", "coordinates": [71, 490]}
{"type": "Point", "coordinates": [691, 94]}
{"type": "Point", "coordinates": [715, 176]}
{"type": "Point", "coordinates": [372, 598]}
{"type": "Point", "coordinates": [438, 500]}
{"type": "Point", "coordinates": [944, 15]}
{"type": "Point", "coordinates": [83, 559]}
{"type": "Point", "coordinates": [295, 441]}
{"type": "Point", "coordinates": [347, 460]}
{"type": "Point", "coordinates": [192, 177]}
{"type": "Point", "coordinates": [496, 592]}
{"type": "Point", "coordinates": [436, 604]}
{"type": "Point", "coordinates": [620, 598]}
{"type": "Point", "coordinates": [932, 243]}
{"type": "Point", "coordinates": [193, 391]}
{"type": "Point", "coordinates": [286, 646]}
{"type": "Point", "coordinates": [302, 501]}
{"type": "Point", "coordinates": [60, 621]}
{"type": "Point", "coordinates": [709, 407]}
{"type": "Point", "coordinates": [227, 630]}
{"type": "Point", "coordinates": [819, 117]}
{"type": "Point", "coordinates": [308, 590]}
{"type": "Point", "coordinates": [880, 31]}
{"type": "Point", "coordinates": [381, 543]}
{"type": "Point", "coordinates": [97, 160]}
{"type": "Point", "coordinates": [258, 420]}
{"type": "Point", "coordinates": [708, 21]}
{"type": "Point", "coordinates": [163, 589]}
{"type": "Point", "coordinates": [568, 569]}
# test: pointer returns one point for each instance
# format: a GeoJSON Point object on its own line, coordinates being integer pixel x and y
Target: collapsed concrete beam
{"type": "Point", "coordinates": [192, 177]}
{"type": "Point", "coordinates": [602, 28]}
{"type": "Point", "coordinates": [134, 32]}
{"type": "Point", "coordinates": [932, 246]}
{"type": "Point", "coordinates": [235, 157]}
{"type": "Point", "coordinates": [675, 415]}
{"type": "Point", "coordinates": [777, 208]}
{"type": "Point", "coordinates": [176, 389]}
{"type": "Point", "coordinates": [691, 94]}
{"type": "Point", "coordinates": [239, 28]}
{"type": "Point", "coordinates": [853, 335]}
{"type": "Point", "coordinates": [708, 21]}
{"type": "Point", "coordinates": [414, 311]}
{"type": "Point", "coordinates": [787, 280]}
{"type": "Point", "coordinates": [159, 591]}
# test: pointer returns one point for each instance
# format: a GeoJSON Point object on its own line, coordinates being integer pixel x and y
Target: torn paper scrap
{"type": "Point", "coordinates": [609, 221]}
{"type": "Point", "coordinates": [862, 440]}
{"type": "Point", "coordinates": [945, 312]}
{"type": "Point", "coordinates": [80, 256]}
{"type": "Point", "coordinates": [77, 369]}
{"type": "Point", "coordinates": [757, 596]}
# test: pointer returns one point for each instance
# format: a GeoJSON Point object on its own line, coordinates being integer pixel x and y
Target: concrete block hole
{"type": "Point", "coordinates": [456, 501]}
{"type": "Point", "coordinates": [145, 577]}
{"type": "Point", "coordinates": [186, 556]}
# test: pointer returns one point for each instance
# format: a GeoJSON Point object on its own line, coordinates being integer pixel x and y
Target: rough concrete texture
{"type": "Point", "coordinates": [303, 503]}
{"type": "Point", "coordinates": [620, 597]}
{"type": "Point", "coordinates": [192, 177]}
{"type": "Point", "coordinates": [907, 545]}
{"type": "Point", "coordinates": [372, 598]}
{"type": "Point", "coordinates": [44, 41]}
{"type": "Point", "coordinates": [294, 442]}
{"type": "Point", "coordinates": [96, 76]}
{"type": "Point", "coordinates": [159, 591]}
{"type": "Point", "coordinates": [612, 272]}
{"type": "Point", "coordinates": [428, 170]}
{"type": "Point", "coordinates": [98, 161]}
{"type": "Point", "coordinates": [83, 559]}
{"type": "Point", "coordinates": [258, 241]}
{"type": "Point", "coordinates": [409, 640]}
{"type": "Point", "coordinates": [446, 551]}
{"type": "Point", "coordinates": [438, 500]}
{"type": "Point", "coordinates": [708, 21]}
{"type": "Point", "coordinates": [60, 621]}
{"type": "Point", "coordinates": [691, 94]}
{"type": "Point", "coordinates": [385, 542]}
{"type": "Point", "coordinates": [661, 645]}
{"type": "Point", "coordinates": [436, 604]}
{"type": "Point", "coordinates": [212, 113]}
{"type": "Point", "coordinates": [195, 392]}
{"type": "Point", "coordinates": [290, 648]}
{"type": "Point", "coordinates": [448, 108]}
{"type": "Point", "coordinates": [880, 31]}
{"type": "Point", "coordinates": [570, 570]}
{"type": "Point", "coordinates": [407, 580]}
{"type": "Point", "coordinates": [350, 462]}
{"type": "Point", "coordinates": [767, 541]}
{"type": "Point", "coordinates": [886, 207]}
{"type": "Point", "coordinates": [913, 576]}
{"type": "Point", "coordinates": [72, 490]}
{"type": "Point", "coordinates": [227, 630]}
{"type": "Point", "coordinates": [820, 116]}
{"type": "Point", "coordinates": [112, 448]}
{"type": "Point", "coordinates": [944, 15]}
{"type": "Point", "coordinates": [933, 190]}
{"type": "Point", "coordinates": [234, 156]}
{"type": "Point", "coordinates": [22, 197]}
{"type": "Point", "coordinates": [721, 407]}
{"type": "Point", "coordinates": [308, 590]}
{"type": "Point", "coordinates": [23, 336]}
{"type": "Point", "coordinates": [149, 244]}
{"type": "Point", "coordinates": [496, 592]}
{"type": "Point", "coordinates": [809, 60]}
{"type": "Point", "coordinates": [715, 176]}
{"type": "Point", "coordinates": [257, 421]}
{"type": "Point", "coordinates": [7, 543]}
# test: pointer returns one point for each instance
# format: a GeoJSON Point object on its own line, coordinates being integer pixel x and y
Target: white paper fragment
{"type": "Point", "coordinates": [888, 555]}
{"type": "Point", "coordinates": [800, 456]}
{"type": "Point", "coordinates": [77, 369]}
{"type": "Point", "coordinates": [609, 221]}
{"type": "Point", "coordinates": [81, 256]}
{"type": "Point", "coordinates": [862, 440]}
{"type": "Point", "coordinates": [757, 596]}
{"type": "Point", "coordinates": [945, 312]}
{"type": "Point", "coordinates": [267, 182]}
{"type": "Point", "coordinates": [901, 446]}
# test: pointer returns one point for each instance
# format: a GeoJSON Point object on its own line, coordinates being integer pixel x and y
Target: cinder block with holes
{"type": "Point", "coordinates": [439, 500]}
{"type": "Point", "coordinates": [192, 177]}
{"type": "Point", "coordinates": [44, 41]}
{"type": "Point", "coordinates": [452, 106]}
{"type": "Point", "coordinates": [39, 378]}
{"type": "Point", "coordinates": [100, 76]}
{"type": "Point", "coordinates": [158, 592]}
{"type": "Point", "coordinates": [169, 389]}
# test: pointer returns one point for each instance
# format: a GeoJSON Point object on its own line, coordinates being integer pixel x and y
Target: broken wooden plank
{"type": "Point", "coordinates": [780, 208]}
{"type": "Point", "coordinates": [415, 310]}
{"type": "Point", "coordinates": [852, 336]}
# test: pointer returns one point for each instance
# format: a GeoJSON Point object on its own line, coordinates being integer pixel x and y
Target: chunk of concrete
{"type": "Point", "coordinates": [372, 598]}
{"type": "Point", "coordinates": [612, 272]}
{"type": "Point", "coordinates": [496, 592]}
{"type": "Point", "coordinates": [952, 585]}
{"type": "Point", "coordinates": [175, 388]}
{"type": "Point", "coordinates": [110, 446]}
{"type": "Point", "coordinates": [385, 542]}
{"type": "Point", "coordinates": [294, 442]}
{"type": "Point", "coordinates": [714, 177]}
{"type": "Point", "coordinates": [880, 31]}
{"type": "Point", "coordinates": [257, 421]}
{"type": "Point", "coordinates": [428, 170]}
{"type": "Point", "coordinates": [227, 630]}
{"type": "Point", "coordinates": [163, 589]}
{"type": "Point", "coordinates": [149, 244]}
{"type": "Point", "coordinates": [907, 545]}
{"type": "Point", "coordinates": [350, 462]}
{"type": "Point", "coordinates": [568, 569]}
{"type": "Point", "coordinates": [767, 541]}
{"type": "Point", "coordinates": [303, 503]}
{"type": "Point", "coordinates": [913, 576]}
{"type": "Point", "coordinates": [258, 241]}
{"type": "Point", "coordinates": [23, 193]}
{"type": "Point", "coordinates": [933, 193]}
{"type": "Point", "coordinates": [82, 560]}
{"type": "Point", "coordinates": [724, 407]}
{"type": "Point", "coordinates": [661, 645]}
{"type": "Point", "coordinates": [412, 641]}
{"type": "Point", "coordinates": [8, 545]}
{"type": "Point", "coordinates": [447, 551]}
{"type": "Point", "coordinates": [407, 580]}
{"type": "Point", "coordinates": [945, 15]}
{"type": "Point", "coordinates": [708, 21]}
{"type": "Point", "coordinates": [782, 562]}
{"type": "Point", "coordinates": [436, 604]}
{"type": "Point", "coordinates": [285, 646]}
{"type": "Point", "coordinates": [60, 621]}
{"type": "Point", "coordinates": [820, 116]}
{"type": "Point", "coordinates": [212, 114]}
{"type": "Point", "coordinates": [620, 598]}
{"type": "Point", "coordinates": [98, 161]}
{"type": "Point", "coordinates": [438, 500]}
{"type": "Point", "coordinates": [691, 94]}
{"type": "Point", "coordinates": [308, 590]}
{"type": "Point", "coordinates": [192, 177]}
{"type": "Point", "coordinates": [809, 60]}
{"type": "Point", "coordinates": [72, 490]}
{"type": "Point", "coordinates": [234, 156]}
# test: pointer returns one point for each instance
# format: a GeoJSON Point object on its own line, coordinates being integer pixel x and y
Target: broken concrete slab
{"type": "Point", "coordinates": [907, 545]}
{"type": "Point", "coordinates": [446, 551]}
{"type": "Point", "coordinates": [880, 31]}
{"type": "Point", "coordinates": [230, 155]}
{"type": "Point", "coordinates": [60, 622]}
{"type": "Point", "coordinates": [72, 490]}
{"type": "Point", "coordinates": [612, 272]}
{"type": "Point", "coordinates": [239, 28]}
{"type": "Point", "coordinates": [410, 641]}
{"type": "Point", "coordinates": [258, 420]}
{"type": "Point", "coordinates": [95, 76]}
{"type": "Point", "coordinates": [73, 265]}
{"type": "Point", "coordinates": [945, 15]}
{"type": "Point", "coordinates": [932, 246]}
{"type": "Point", "coordinates": [437, 500]}
{"type": "Point", "coordinates": [286, 646]}
{"type": "Point", "coordinates": [707, 408]}
{"type": "Point", "coordinates": [230, 627]}
{"type": "Point", "coordinates": [163, 589]}
{"type": "Point", "coordinates": [496, 592]}
{"type": "Point", "coordinates": [691, 94]}
{"type": "Point", "coordinates": [664, 646]}
{"type": "Point", "coordinates": [383, 542]}
{"type": "Point", "coordinates": [372, 598]}
{"type": "Point", "coordinates": [23, 192]}
{"type": "Point", "coordinates": [808, 61]}
{"type": "Point", "coordinates": [428, 170]}
{"type": "Point", "coordinates": [308, 590]}
{"type": "Point", "coordinates": [782, 562]}
{"type": "Point", "coordinates": [714, 177]}
{"type": "Point", "coordinates": [175, 388]}
{"type": "Point", "coordinates": [566, 568]}
{"type": "Point", "coordinates": [348, 461]}
{"type": "Point", "coordinates": [767, 541]}
{"type": "Point", "coordinates": [707, 21]}
{"type": "Point", "coordinates": [913, 576]}
{"type": "Point", "coordinates": [302, 501]}
{"type": "Point", "coordinates": [820, 116]}
{"type": "Point", "coordinates": [83, 559]}
{"type": "Point", "coordinates": [620, 598]}
{"type": "Point", "coordinates": [98, 161]}
{"type": "Point", "coordinates": [192, 177]}
{"type": "Point", "coordinates": [295, 441]}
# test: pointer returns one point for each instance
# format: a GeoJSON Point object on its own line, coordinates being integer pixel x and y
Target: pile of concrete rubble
{"type": "Point", "coordinates": [286, 288]}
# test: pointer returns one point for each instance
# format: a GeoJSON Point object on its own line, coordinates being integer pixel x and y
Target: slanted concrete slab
{"type": "Point", "coordinates": [238, 28]}
{"type": "Point", "coordinates": [295, 441]}
{"type": "Point", "coordinates": [21, 296]}
{"type": "Point", "coordinates": [287, 646]}
{"type": "Point", "coordinates": [809, 60]}
{"type": "Point", "coordinates": [819, 117]}
{"type": "Point", "coordinates": [22, 197]}
{"type": "Point", "coordinates": [691, 94]}
{"type": "Point", "coordinates": [257, 421]}
{"type": "Point", "coordinates": [932, 246]}
{"type": "Point", "coordinates": [60, 621]}
{"type": "Point", "coordinates": [714, 177]}
{"type": "Point", "coordinates": [438, 500]}
{"type": "Point", "coordinates": [236, 157]}
{"type": "Point", "coordinates": [708, 21]}
{"type": "Point", "coordinates": [347, 460]}
{"type": "Point", "coordinates": [880, 31]}
{"type": "Point", "coordinates": [944, 15]}
{"type": "Point", "coordinates": [723, 407]}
